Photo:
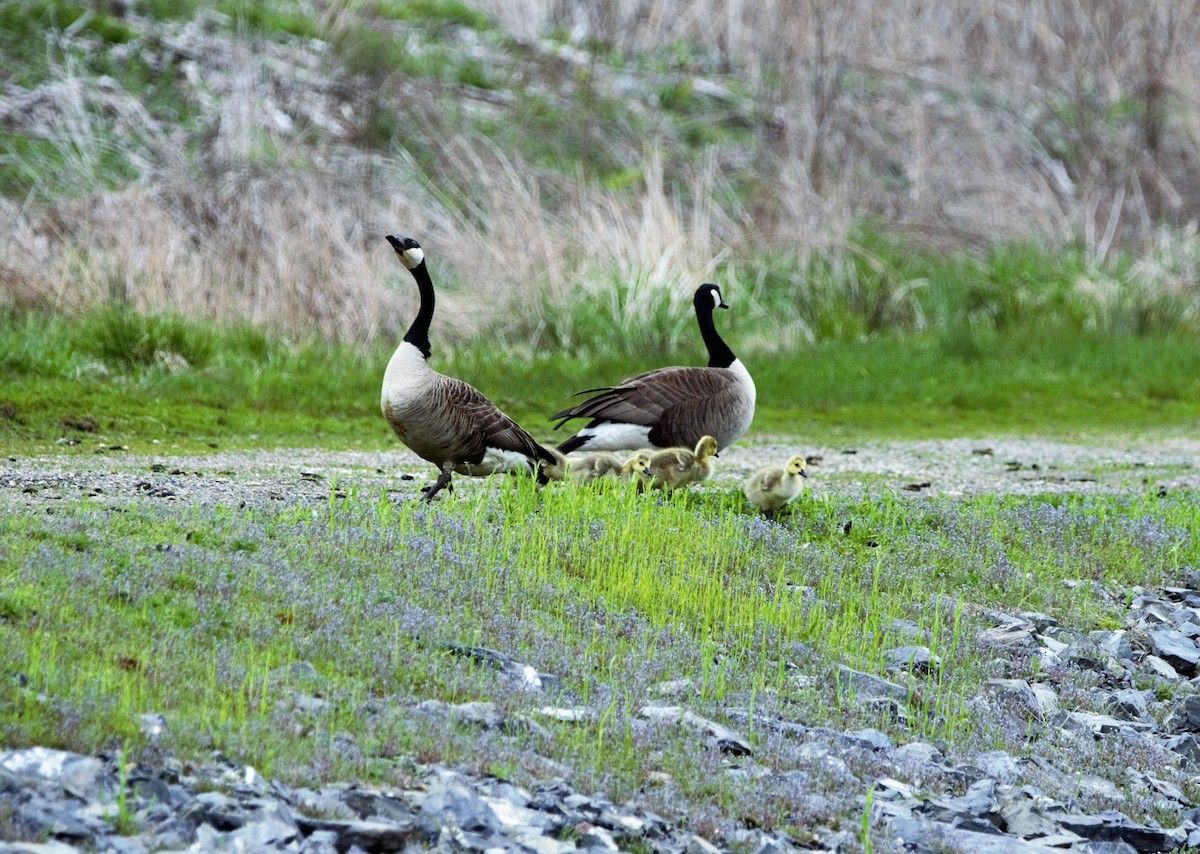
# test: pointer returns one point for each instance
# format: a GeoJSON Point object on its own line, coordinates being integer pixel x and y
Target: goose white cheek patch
{"type": "Point", "coordinates": [412, 258]}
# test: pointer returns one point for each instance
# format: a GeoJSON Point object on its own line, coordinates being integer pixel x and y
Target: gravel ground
{"type": "Point", "coordinates": [950, 467]}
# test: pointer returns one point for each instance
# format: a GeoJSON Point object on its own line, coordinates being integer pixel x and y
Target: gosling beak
{"type": "Point", "coordinates": [803, 472]}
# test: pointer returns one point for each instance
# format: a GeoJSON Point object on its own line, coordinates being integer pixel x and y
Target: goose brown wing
{"type": "Point", "coordinates": [697, 402]}
{"type": "Point", "coordinates": [643, 399]}
{"type": "Point", "coordinates": [678, 404]}
{"type": "Point", "coordinates": [481, 425]}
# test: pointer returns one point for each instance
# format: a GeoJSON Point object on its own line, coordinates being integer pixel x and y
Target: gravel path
{"type": "Point", "coordinates": [951, 467]}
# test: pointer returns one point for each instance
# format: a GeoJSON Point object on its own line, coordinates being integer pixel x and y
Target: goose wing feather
{"type": "Point", "coordinates": [768, 480]}
{"type": "Point", "coordinates": [669, 400]}
{"type": "Point", "coordinates": [471, 424]}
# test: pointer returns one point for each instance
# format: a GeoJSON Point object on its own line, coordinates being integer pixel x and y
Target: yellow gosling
{"type": "Point", "coordinates": [672, 468]}
{"type": "Point", "coordinates": [771, 489]}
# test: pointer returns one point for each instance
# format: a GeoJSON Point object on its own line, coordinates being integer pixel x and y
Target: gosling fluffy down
{"type": "Point", "coordinates": [771, 489]}
{"type": "Point", "coordinates": [672, 468]}
{"type": "Point", "coordinates": [589, 467]}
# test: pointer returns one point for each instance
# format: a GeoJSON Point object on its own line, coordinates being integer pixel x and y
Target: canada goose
{"type": "Point", "coordinates": [672, 468]}
{"type": "Point", "coordinates": [445, 420]}
{"type": "Point", "coordinates": [771, 488]}
{"type": "Point", "coordinates": [670, 407]}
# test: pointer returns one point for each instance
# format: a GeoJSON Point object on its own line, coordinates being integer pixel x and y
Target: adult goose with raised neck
{"type": "Point", "coordinates": [670, 407]}
{"type": "Point", "coordinates": [442, 419]}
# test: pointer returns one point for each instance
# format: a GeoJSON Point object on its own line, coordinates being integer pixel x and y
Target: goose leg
{"type": "Point", "coordinates": [436, 487]}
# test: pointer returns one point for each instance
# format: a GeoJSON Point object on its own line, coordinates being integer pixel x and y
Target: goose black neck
{"type": "Point", "coordinates": [418, 333]}
{"type": "Point", "coordinates": [719, 354]}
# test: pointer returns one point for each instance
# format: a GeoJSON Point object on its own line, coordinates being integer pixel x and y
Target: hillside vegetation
{"type": "Point", "coordinates": [845, 170]}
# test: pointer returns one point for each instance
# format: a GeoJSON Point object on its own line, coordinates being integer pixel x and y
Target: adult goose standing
{"type": "Point", "coordinates": [670, 407]}
{"type": "Point", "coordinates": [445, 420]}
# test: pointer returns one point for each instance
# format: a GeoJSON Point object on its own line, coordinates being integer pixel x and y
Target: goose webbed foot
{"type": "Point", "coordinates": [434, 488]}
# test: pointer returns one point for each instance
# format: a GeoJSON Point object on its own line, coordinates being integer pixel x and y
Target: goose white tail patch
{"type": "Point", "coordinates": [614, 436]}
{"type": "Point", "coordinates": [497, 460]}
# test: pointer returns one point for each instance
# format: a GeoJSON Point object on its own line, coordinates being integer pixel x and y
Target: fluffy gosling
{"type": "Point", "coordinates": [672, 468]}
{"type": "Point", "coordinates": [772, 488]}
{"type": "Point", "coordinates": [636, 468]}
{"type": "Point", "coordinates": [589, 467]}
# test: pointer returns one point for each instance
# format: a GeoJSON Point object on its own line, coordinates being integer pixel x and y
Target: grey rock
{"type": "Point", "coordinates": [485, 715]}
{"type": "Point", "coordinates": [1108, 848]}
{"type": "Point", "coordinates": [700, 845]}
{"type": "Point", "coordinates": [320, 842]}
{"type": "Point", "coordinates": [577, 714]}
{"type": "Point", "coordinates": [743, 717]}
{"type": "Point", "coordinates": [592, 838]}
{"type": "Point", "coordinates": [1184, 717]}
{"type": "Point", "coordinates": [907, 630]}
{"type": "Point", "coordinates": [263, 835]}
{"type": "Point", "coordinates": [1015, 696]}
{"type": "Point", "coordinates": [720, 737]}
{"type": "Point", "coordinates": [1165, 788]}
{"type": "Point", "coordinates": [975, 810]}
{"type": "Point", "coordinates": [1187, 746]}
{"type": "Point", "coordinates": [867, 739]}
{"type": "Point", "coordinates": [1129, 705]}
{"type": "Point", "coordinates": [1047, 698]}
{"type": "Point", "coordinates": [920, 752]}
{"type": "Point", "coordinates": [1114, 643]}
{"type": "Point", "coordinates": [375, 805]}
{"type": "Point", "coordinates": [1159, 668]}
{"type": "Point", "coordinates": [1097, 724]}
{"type": "Point", "coordinates": [1176, 649]}
{"type": "Point", "coordinates": [998, 765]}
{"type": "Point", "coordinates": [82, 777]}
{"type": "Point", "coordinates": [1023, 819]}
{"type": "Point", "coordinates": [1112, 826]}
{"type": "Point", "coordinates": [1041, 622]}
{"type": "Point", "coordinates": [930, 836]}
{"type": "Point", "coordinates": [369, 835]}
{"type": "Point", "coordinates": [457, 804]}
{"type": "Point", "coordinates": [1086, 653]}
{"type": "Point", "coordinates": [863, 686]}
{"type": "Point", "coordinates": [1014, 632]}
{"type": "Point", "coordinates": [911, 659]}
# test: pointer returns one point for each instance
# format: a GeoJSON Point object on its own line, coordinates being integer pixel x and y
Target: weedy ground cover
{"type": "Point", "coordinates": [230, 621]}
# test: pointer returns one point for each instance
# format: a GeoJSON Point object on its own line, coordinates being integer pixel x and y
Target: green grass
{"type": "Point", "coordinates": [110, 610]}
{"type": "Point", "coordinates": [141, 381]}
